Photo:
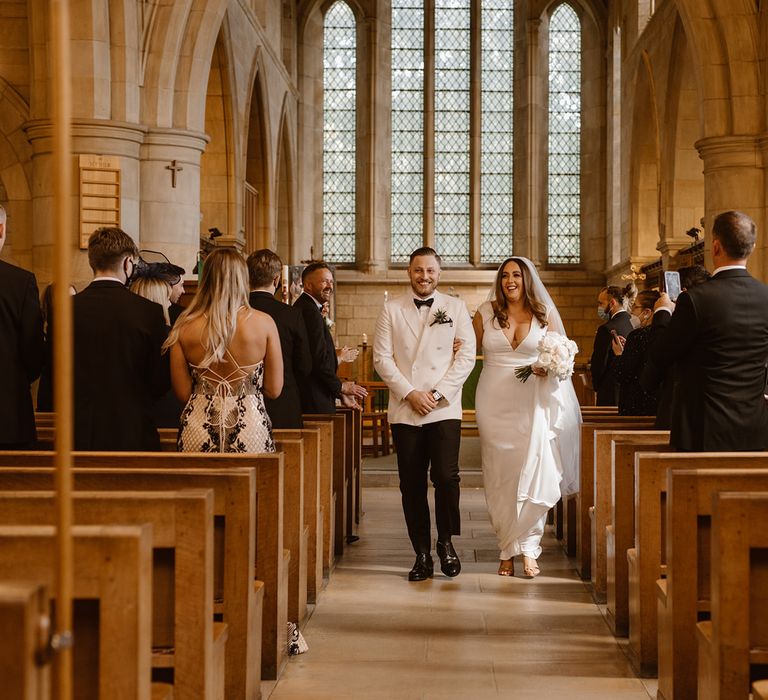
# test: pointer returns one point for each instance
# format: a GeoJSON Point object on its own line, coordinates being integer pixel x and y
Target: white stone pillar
{"type": "Point", "coordinates": [734, 179]}
{"type": "Point", "coordinates": [170, 215]}
{"type": "Point", "coordinates": [90, 136]}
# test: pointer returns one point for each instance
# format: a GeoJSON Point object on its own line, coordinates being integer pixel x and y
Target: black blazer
{"type": "Point", "coordinates": [718, 338]}
{"type": "Point", "coordinates": [602, 364]}
{"type": "Point", "coordinates": [634, 400]}
{"type": "Point", "coordinates": [323, 386]}
{"type": "Point", "coordinates": [21, 353]}
{"type": "Point", "coordinates": [119, 368]}
{"type": "Point", "coordinates": [285, 410]}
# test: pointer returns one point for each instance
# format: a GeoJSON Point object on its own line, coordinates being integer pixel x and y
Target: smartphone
{"type": "Point", "coordinates": [672, 283]}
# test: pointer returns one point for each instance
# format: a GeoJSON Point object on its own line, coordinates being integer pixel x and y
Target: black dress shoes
{"type": "Point", "coordinates": [449, 560]}
{"type": "Point", "coordinates": [422, 568]}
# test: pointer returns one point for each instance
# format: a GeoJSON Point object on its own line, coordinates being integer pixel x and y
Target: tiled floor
{"type": "Point", "coordinates": [375, 635]}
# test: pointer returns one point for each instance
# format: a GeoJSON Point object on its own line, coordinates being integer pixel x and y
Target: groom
{"type": "Point", "coordinates": [413, 353]}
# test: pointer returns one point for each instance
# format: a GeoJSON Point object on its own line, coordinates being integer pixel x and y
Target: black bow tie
{"type": "Point", "coordinates": [423, 302]}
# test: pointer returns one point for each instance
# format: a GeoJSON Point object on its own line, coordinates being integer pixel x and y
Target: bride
{"type": "Point", "coordinates": [529, 431]}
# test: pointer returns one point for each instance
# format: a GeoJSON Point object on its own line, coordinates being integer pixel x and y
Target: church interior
{"type": "Point", "coordinates": [598, 139]}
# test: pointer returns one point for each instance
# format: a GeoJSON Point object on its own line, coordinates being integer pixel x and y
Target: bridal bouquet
{"type": "Point", "coordinates": [556, 356]}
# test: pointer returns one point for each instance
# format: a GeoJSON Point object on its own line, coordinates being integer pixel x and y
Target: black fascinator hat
{"type": "Point", "coordinates": [154, 265]}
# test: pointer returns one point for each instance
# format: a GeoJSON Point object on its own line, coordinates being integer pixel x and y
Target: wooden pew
{"type": "Point", "coordinates": [760, 690]}
{"type": "Point", "coordinates": [184, 635]}
{"type": "Point", "coordinates": [684, 594]}
{"type": "Point", "coordinates": [585, 498]}
{"type": "Point", "coordinates": [342, 467]}
{"type": "Point", "coordinates": [735, 641]}
{"type": "Point", "coordinates": [25, 621]}
{"type": "Point", "coordinates": [252, 644]}
{"type": "Point", "coordinates": [313, 514]}
{"type": "Point", "coordinates": [113, 601]}
{"type": "Point", "coordinates": [327, 495]}
{"type": "Point", "coordinates": [295, 534]}
{"type": "Point", "coordinates": [606, 442]}
{"type": "Point", "coordinates": [354, 449]}
{"type": "Point", "coordinates": [620, 534]}
{"type": "Point", "coordinates": [646, 559]}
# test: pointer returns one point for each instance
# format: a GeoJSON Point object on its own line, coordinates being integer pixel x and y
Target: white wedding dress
{"type": "Point", "coordinates": [519, 425]}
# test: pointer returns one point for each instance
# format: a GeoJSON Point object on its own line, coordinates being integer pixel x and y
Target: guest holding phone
{"type": "Point", "coordinates": [631, 354]}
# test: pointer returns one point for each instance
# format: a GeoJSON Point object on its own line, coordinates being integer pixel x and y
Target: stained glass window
{"type": "Point", "coordinates": [407, 128]}
{"type": "Point", "coordinates": [497, 142]}
{"type": "Point", "coordinates": [564, 148]}
{"type": "Point", "coordinates": [452, 59]}
{"type": "Point", "coordinates": [339, 134]}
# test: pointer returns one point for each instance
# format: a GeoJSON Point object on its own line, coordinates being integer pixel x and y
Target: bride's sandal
{"type": "Point", "coordinates": [507, 567]}
{"type": "Point", "coordinates": [530, 567]}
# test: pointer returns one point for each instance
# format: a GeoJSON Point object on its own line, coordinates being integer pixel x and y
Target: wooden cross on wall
{"type": "Point", "coordinates": [174, 169]}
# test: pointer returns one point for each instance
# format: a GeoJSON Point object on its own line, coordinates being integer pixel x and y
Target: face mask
{"type": "Point", "coordinates": [129, 278]}
{"type": "Point", "coordinates": [635, 321]}
{"type": "Point", "coordinates": [603, 314]}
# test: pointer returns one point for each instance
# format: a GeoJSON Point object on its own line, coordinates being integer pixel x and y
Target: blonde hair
{"type": "Point", "coordinates": [222, 292]}
{"type": "Point", "coordinates": [156, 290]}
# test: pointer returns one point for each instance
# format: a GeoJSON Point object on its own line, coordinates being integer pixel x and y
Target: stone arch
{"type": "Point", "coordinates": [16, 174]}
{"type": "Point", "coordinates": [217, 178]}
{"type": "Point", "coordinates": [258, 163]}
{"type": "Point", "coordinates": [178, 51]}
{"type": "Point", "coordinates": [594, 22]}
{"type": "Point", "coordinates": [682, 186]}
{"type": "Point", "coordinates": [644, 164]}
{"type": "Point", "coordinates": [726, 61]}
{"type": "Point", "coordinates": [284, 188]}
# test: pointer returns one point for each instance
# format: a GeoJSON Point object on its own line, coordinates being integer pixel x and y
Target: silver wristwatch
{"type": "Point", "coordinates": [436, 395]}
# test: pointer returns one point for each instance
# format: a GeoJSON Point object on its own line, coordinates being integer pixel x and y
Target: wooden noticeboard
{"type": "Point", "coordinates": [99, 194]}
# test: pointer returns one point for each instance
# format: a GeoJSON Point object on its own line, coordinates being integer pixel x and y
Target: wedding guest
{"type": "Point", "coordinates": [265, 277]}
{"type": "Point", "coordinates": [718, 338]}
{"type": "Point", "coordinates": [529, 431]}
{"type": "Point", "coordinates": [225, 357]}
{"type": "Point", "coordinates": [631, 356]}
{"type": "Point", "coordinates": [612, 303]}
{"type": "Point", "coordinates": [119, 370]}
{"type": "Point", "coordinates": [45, 386]}
{"type": "Point", "coordinates": [21, 350]}
{"type": "Point", "coordinates": [323, 386]}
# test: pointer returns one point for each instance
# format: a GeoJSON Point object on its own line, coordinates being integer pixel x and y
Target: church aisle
{"type": "Point", "coordinates": [375, 635]}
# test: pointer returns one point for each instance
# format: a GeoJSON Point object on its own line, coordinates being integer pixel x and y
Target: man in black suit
{"type": "Point", "coordinates": [718, 339]}
{"type": "Point", "coordinates": [323, 386]}
{"type": "Point", "coordinates": [611, 303]}
{"type": "Point", "coordinates": [21, 351]}
{"type": "Point", "coordinates": [119, 368]}
{"type": "Point", "coordinates": [264, 271]}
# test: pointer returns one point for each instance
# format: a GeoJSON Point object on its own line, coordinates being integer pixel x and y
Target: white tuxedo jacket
{"type": "Point", "coordinates": [412, 352]}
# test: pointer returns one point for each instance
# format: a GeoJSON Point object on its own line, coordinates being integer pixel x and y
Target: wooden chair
{"type": "Point", "coordinates": [734, 642]}
{"type": "Point", "coordinates": [374, 420]}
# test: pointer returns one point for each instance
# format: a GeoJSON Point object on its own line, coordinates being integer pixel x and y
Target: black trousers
{"type": "Point", "coordinates": [434, 445]}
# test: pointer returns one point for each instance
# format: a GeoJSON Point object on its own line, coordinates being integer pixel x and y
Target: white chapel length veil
{"type": "Point", "coordinates": [567, 421]}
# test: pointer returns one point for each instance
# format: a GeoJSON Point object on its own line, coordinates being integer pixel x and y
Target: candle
{"type": "Point", "coordinates": [365, 339]}
{"type": "Point", "coordinates": [386, 297]}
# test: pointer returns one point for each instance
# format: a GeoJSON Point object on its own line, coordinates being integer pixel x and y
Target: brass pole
{"type": "Point", "coordinates": [62, 309]}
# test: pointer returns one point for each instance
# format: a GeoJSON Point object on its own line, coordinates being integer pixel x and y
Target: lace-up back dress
{"type": "Point", "coordinates": [225, 412]}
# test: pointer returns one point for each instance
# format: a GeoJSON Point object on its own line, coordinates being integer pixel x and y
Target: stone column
{"type": "Point", "coordinates": [170, 215]}
{"type": "Point", "coordinates": [90, 136]}
{"type": "Point", "coordinates": [734, 179]}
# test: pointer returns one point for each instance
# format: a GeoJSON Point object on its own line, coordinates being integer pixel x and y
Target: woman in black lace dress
{"type": "Point", "coordinates": [225, 356]}
{"type": "Point", "coordinates": [631, 356]}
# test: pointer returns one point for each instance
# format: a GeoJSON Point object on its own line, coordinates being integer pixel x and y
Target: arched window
{"type": "Point", "coordinates": [564, 147]}
{"type": "Point", "coordinates": [440, 81]}
{"type": "Point", "coordinates": [339, 134]}
{"type": "Point", "coordinates": [407, 189]}
{"type": "Point", "coordinates": [452, 65]}
{"type": "Point", "coordinates": [496, 211]}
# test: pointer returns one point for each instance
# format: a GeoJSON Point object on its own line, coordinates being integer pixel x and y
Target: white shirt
{"type": "Point", "coordinates": [109, 278]}
{"type": "Point", "coordinates": [729, 267]}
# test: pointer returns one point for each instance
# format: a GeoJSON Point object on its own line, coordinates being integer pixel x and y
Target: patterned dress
{"type": "Point", "coordinates": [226, 413]}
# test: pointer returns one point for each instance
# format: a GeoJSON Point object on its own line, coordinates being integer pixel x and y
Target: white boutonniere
{"type": "Point", "coordinates": [441, 317]}
{"type": "Point", "coordinates": [328, 323]}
